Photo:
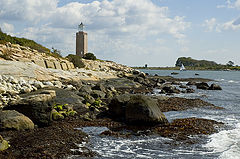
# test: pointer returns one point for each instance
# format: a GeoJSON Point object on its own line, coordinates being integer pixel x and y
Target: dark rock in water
{"type": "Point", "coordinates": [37, 107]}
{"type": "Point", "coordinates": [156, 75]}
{"type": "Point", "coordinates": [159, 80]}
{"type": "Point", "coordinates": [190, 83]}
{"type": "Point", "coordinates": [117, 106]}
{"type": "Point", "coordinates": [196, 74]}
{"type": "Point", "coordinates": [143, 75]}
{"type": "Point", "coordinates": [182, 86]}
{"type": "Point", "coordinates": [13, 120]}
{"type": "Point", "coordinates": [202, 85]}
{"type": "Point", "coordinates": [190, 90]}
{"type": "Point", "coordinates": [176, 83]}
{"type": "Point", "coordinates": [136, 72]}
{"type": "Point", "coordinates": [143, 110]}
{"type": "Point", "coordinates": [100, 87]}
{"type": "Point", "coordinates": [174, 73]}
{"type": "Point", "coordinates": [214, 87]}
{"type": "Point", "coordinates": [170, 89]}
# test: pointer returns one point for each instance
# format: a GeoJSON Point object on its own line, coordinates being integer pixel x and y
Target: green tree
{"type": "Point", "coordinates": [230, 63]}
{"type": "Point", "coordinates": [89, 56]}
{"type": "Point", "coordinates": [76, 60]}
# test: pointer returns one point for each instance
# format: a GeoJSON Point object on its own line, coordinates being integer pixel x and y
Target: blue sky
{"type": "Point", "coordinates": [131, 32]}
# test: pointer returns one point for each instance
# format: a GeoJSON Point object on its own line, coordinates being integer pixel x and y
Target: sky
{"type": "Point", "coordinates": [131, 32]}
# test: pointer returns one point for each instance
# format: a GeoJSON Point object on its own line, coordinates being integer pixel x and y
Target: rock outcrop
{"type": "Point", "coordinates": [37, 107]}
{"type": "Point", "coordinates": [13, 120]}
{"type": "Point", "coordinates": [144, 110]}
{"type": "Point", "coordinates": [3, 144]}
{"type": "Point", "coordinates": [136, 109]}
{"type": "Point", "coordinates": [15, 52]}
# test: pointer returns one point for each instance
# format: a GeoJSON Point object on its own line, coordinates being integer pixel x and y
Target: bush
{"type": "Point", "coordinates": [4, 38]}
{"type": "Point", "coordinates": [89, 56]}
{"type": "Point", "coordinates": [76, 60]}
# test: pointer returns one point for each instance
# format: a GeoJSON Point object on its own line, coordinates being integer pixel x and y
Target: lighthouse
{"type": "Point", "coordinates": [81, 41]}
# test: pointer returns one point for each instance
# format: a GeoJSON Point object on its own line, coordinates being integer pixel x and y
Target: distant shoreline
{"type": "Point", "coordinates": [227, 68]}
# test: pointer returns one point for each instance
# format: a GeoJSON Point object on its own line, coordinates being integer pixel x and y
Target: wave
{"type": "Point", "coordinates": [226, 143]}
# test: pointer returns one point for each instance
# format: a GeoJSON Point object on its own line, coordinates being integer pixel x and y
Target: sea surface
{"type": "Point", "coordinates": [223, 145]}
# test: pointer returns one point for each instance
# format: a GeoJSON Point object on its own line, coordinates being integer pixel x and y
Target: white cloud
{"type": "Point", "coordinates": [119, 26]}
{"type": "Point", "coordinates": [212, 25]}
{"type": "Point", "coordinates": [6, 27]}
{"type": "Point", "coordinates": [230, 4]}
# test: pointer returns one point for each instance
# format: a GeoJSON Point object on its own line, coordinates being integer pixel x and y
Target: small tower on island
{"type": "Point", "coordinates": [81, 41]}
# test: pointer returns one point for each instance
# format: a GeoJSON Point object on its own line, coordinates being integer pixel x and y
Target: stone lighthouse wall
{"type": "Point", "coordinates": [81, 43]}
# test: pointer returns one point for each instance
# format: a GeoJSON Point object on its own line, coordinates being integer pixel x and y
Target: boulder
{"type": "Point", "coordinates": [117, 106]}
{"type": "Point", "coordinates": [13, 120]}
{"type": "Point", "coordinates": [98, 94]}
{"type": "Point", "coordinates": [100, 87]}
{"type": "Point", "coordinates": [86, 89]}
{"type": "Point", "coordinates": [3, 144]}
{"type": "Point", "coordinates": [190, 83]}
{"type": "Point", "coordinates": [170, 89]}
{"type": "Point", "coordinates": [141, 109]}
{"type": "Point", "coordinates": [37, 107]}
{"type": "Point", "coordinates": [136, 72]}
{"type": "Point", "coordinates": [214, 87]}
{"type": "Point", "coordinates": [143, 75]}
{"type": "Point", "coordinates": [202, 85]}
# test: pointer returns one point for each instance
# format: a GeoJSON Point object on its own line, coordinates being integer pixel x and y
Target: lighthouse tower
{"type": "Point", "coordinates": [81, 41]}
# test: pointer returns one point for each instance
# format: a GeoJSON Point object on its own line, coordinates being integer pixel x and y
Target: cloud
{"type": "Point", "coordinates": [230, 4]}
{"type": "Point", "coordinates": [119, 26]}
{"type": "Point", "coordinates": [212, 25]}
{"type": "Point", "coordinates": [5, 27]}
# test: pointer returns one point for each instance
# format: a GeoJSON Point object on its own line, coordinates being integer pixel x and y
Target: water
{"type": "Point", "coordinates": [223, 145]}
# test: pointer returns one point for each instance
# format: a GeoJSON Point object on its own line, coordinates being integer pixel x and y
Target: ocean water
{"type": "Point", "coordinates": [223, 145]}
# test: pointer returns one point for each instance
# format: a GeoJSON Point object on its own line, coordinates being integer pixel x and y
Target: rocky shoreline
{"type": "Point", "coordinates": [45, 113]}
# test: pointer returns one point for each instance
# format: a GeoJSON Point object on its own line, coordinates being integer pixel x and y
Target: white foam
{"type": "Point", "coordinates": [232, 81]}
{"type": "Point", "coordinates": [226, 143]}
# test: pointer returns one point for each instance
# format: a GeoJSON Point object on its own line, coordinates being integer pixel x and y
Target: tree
{"type": "Point", "coordinates": [56, 52]}
{"type": "Point", "coordinates": [230, 63]}
{"type": "Point", "coordinates": [89, 56]}
{"type": "Point", "coordinates": [76, 60]}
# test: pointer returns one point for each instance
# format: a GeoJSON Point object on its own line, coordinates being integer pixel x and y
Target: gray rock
{"type": "Point", "coordinates": [144, 110]}
{"type": "Point", "coordinates": [3, 144]}
{"type": "Point", "coordinates": [38, 84]}
{"type": "Point", "coordinates": [13, 120]}
{"type": "Point", "coordinates": [202, 85]}
{"type": "Point", "coordinates": [37, 107]}
{"type": "Point", "coordinates": [2, 89]}
{"type": "Point", "coordinates": [98, 94]}
{"type": "Point", "coordinates": [135, 72]}
{"type": "Point", "coordinates": [57, 84]}
{"type": "Point", "coordinates": [214, 87]}
{"type": "Point", "coordinates": [86, 89]}
{"type": "Point", "coordinates": [100, 87]}
{"type": "Point", "coordinates": [48, 84]}
{"type": "Point", "coordinates": [70, 87]}
{"type": "Point", "coordinates": [117, 106]}
{"type": "Point", "coordinates": [25, 89]}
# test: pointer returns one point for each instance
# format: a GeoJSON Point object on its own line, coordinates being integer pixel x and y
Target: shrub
{"type": "Point", "coordinates": [76, 60]}
{"type": "Point", "coordinates": [4, 38]}
{"type": "Point", "coordinates": [89, 56]}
